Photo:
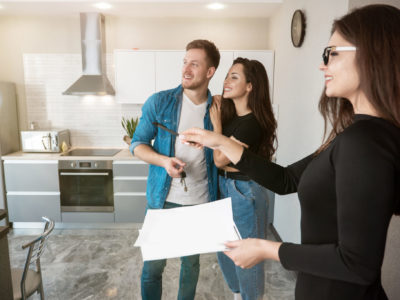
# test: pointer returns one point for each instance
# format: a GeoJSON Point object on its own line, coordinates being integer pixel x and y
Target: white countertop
{"type": "Point", "coordinates": [124, 154]}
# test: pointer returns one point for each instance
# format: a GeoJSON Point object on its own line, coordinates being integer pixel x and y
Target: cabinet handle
{"type": "Point", "coordinates": [83, 174]}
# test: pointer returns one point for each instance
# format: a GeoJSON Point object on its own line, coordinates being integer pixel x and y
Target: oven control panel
{"type": "Point", "coordinates": [84, 164]}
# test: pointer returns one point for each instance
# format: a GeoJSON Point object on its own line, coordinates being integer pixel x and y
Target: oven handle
{"type": "Point", "coordinates": [84, 174]}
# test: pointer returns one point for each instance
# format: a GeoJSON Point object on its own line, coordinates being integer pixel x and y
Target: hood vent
{"type": "Point", "coordinates": [94, 80]}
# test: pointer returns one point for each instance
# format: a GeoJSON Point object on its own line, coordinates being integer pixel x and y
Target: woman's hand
{"type": "Point", "coordinates": [201, 137]}
{"type": "Point", "coordinates": [249, 252]}
{"type": "Point", "coordinates": [205, 138]}
{"type": "Point", "coordinates": [215, 113]}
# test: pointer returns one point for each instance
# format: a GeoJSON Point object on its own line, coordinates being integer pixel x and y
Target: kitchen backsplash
{"type": "Point", "coordinates": [92, 121]}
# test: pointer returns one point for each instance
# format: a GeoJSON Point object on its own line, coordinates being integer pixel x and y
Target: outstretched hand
{"type": "Point", "coordinates": [201, 138]}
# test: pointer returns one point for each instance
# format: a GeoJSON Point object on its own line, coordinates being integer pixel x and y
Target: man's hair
{"type": "Point", "coordinates": [211, 50]}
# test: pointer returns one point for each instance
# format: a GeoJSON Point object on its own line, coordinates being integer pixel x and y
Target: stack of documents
{"type": "Point", "coordinates": [187, 230]}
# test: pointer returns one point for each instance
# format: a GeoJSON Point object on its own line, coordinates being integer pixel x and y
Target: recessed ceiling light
{"type": "Point", "coordinates": [102, 5]}
{"type": "Point", "coordinates": [215, 6]}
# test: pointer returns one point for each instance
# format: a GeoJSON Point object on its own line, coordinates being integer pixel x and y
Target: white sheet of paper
{"type": "Point", "coordinates": [189, 230]}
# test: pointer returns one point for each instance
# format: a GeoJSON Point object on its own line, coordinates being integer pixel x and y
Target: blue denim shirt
{"type": "Point", "coordinates": [165, 107]}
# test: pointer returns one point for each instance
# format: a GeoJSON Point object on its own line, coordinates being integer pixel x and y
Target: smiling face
{"type": "Point", "coordinates": [195, 71]}
{"type": "Point", "coordinates": [341, 75]}
{"type": "Point", "coordinates": [235, 84]}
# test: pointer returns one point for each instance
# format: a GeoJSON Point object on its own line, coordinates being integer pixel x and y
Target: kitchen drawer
{"type": "Point", "coordinates": [26, 207]}
{"type": "Point", "coordinates": [33, 176]}
{"type": "Point", "coordinates": [130, 168]}
{"type": "Point", "coordinates": [130, 208]}
{"type": "Point", "coordinates": [87, 217]}
{"type": "Point", "coordinates": [125, 184]}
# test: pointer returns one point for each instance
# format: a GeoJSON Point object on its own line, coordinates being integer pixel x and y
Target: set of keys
{"type": "Point", "coordinates": [183, 182]}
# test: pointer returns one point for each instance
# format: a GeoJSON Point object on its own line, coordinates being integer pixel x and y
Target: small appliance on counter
{"type": "Point", "coordinates": [44, 140]}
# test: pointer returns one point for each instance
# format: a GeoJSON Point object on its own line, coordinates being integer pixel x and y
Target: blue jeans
{"type": "Point", "coordinates": [151, 280]}
{"type": "Point", "coordinates": [249, 206]}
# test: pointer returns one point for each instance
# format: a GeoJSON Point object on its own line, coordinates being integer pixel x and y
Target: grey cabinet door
{"type": "Point", "coordinates": [130, 184]}
{"type": "Point", "coordinates": [129, 208]}
{"type": "Point", "coordinates": [133, 168]}
{"type": "Point", "coordinates": [32, 176]}
{"type": "Point", "coordinates": [23, 207]}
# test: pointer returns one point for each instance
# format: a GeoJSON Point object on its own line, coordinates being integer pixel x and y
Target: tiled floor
{"type": "Point", "coordinates": [83, 264]}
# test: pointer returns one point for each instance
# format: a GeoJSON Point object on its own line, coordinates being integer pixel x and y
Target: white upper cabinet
{"type": "Point", "coordinates": [168, 69]}
{"type": "Point", "coordinates": [134, 75]}
{"type": "Point", "coordinates": [140, 73]}
{"type": "Point", "coordinates": [217, 82]}
{"type": "Point", "coordinates": [266, 57]}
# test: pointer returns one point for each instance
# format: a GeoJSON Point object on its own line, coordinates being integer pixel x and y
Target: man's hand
{"type": "Point", "coordinates": [174, 166]}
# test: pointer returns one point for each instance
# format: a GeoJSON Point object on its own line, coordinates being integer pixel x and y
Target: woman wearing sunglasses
{"type": "Point", "coordinates": [245, 113]}
{"type": "Point", "coordinates": [349, 188]}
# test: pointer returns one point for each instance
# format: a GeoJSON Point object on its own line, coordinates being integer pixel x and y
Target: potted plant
{"type": "Point", "coordinates": [129, 126]}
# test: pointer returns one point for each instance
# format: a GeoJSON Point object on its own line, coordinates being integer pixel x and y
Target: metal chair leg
{"type": "Point", "coordinates": [41, 290]}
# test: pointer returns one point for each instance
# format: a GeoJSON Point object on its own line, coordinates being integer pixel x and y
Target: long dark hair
{"type": "Point", "coordinates": [259, 102]}
{"type": "Point", "coordinates": [375, 31]}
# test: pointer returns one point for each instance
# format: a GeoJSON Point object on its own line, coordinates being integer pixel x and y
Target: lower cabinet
{"type": "Point", "coordinates": [26, 207]}
{"type": "Point", "coordinates": [129, 207]}
{"type": "Point", "coordinates": [130, 180]}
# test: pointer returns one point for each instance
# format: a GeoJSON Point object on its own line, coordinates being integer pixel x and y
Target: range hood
{"type": "Point", "coordinates": [94, 80]}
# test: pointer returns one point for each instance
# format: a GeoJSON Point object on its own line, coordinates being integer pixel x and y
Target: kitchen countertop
{"type": "Point", "coordinates": [124, 154]}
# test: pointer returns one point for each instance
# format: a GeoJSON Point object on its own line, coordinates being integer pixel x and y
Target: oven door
{"type": "Point", "coordinates": [86, 190]}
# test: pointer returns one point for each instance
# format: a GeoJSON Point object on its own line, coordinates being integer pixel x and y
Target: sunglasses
{"type": "Point", "coordinates": [328, 50]}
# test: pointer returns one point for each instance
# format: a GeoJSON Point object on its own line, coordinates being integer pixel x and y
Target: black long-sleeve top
{"type": "Point", "coordinates": [347, 194]}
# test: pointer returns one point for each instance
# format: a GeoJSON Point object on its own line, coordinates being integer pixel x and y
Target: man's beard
{"type": "Point", "coordinates": [192, 85]}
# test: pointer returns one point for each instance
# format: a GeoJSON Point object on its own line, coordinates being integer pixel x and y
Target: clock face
{"type": "Point", "coordinates": [298, 26]}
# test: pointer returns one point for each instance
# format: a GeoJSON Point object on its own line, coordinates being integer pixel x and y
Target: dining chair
{"type": "Point", "coordinates": [27, 281]}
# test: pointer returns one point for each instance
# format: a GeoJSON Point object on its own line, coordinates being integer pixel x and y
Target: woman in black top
{"type": "Point", "coordinates": [350, 187]}
{"type": "Point", "coordinates": [244, 113]}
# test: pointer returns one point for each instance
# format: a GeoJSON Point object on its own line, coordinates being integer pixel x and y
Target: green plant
{"type": "Point", "coordinates": [129, 125]}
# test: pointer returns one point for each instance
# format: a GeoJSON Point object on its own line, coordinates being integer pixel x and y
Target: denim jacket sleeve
{"type": "Point", "coordinates": [145, 130]}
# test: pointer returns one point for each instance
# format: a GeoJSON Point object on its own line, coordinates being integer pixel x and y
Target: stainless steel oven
{"type": "Point", "coordinates": [86, 185]}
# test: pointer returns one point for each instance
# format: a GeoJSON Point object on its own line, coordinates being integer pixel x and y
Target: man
{"type": "Point", "coordinates": [179, 175]}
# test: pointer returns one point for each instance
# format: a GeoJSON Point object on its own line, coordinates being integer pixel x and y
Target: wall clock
{"type": "Point", "coordinates": [298, 28]}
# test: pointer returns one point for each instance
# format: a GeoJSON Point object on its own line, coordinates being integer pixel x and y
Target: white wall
{"type": "Point", "coordinates": [298, 86]}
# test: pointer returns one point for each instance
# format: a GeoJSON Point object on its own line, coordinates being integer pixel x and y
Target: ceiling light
{"type": "Point", "coordinates": [102, 5]}
{"type": "Point", "coordinates": [215, 6]}
{"type": "Point", "coordinates": [1, 6]}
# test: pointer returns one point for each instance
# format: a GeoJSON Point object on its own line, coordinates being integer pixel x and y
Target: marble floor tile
{"type": "Point", "coordinates": [83, 264]}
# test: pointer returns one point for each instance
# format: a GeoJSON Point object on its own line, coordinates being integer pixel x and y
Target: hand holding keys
{"type": "Point", "coordinates": [183, 182]}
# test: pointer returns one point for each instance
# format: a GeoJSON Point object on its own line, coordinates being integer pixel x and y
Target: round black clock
{"type": "Point", "coordinates": [298, 28]}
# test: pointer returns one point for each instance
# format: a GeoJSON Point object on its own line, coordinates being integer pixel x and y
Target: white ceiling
{"type": "Point", "coordinates": [144, 8]}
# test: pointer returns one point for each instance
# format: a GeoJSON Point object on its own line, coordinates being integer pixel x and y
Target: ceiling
{"type": "Point", "coordinates": [144, 8]}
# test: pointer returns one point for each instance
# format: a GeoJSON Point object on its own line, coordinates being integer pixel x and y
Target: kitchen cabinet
{"type": "Point", "coordinates": [130, 181]}
{"type": "Point", "coordinates": [140, 73]}
{"type": "Point", "coordinates": [32, 190]}
{"type": "Point", "coordinates": [217, 82]}
{"type": "Point", "coordinates": [168, 69]}
{"type": "Point", "coordinates": [266, 57]}
{"type": "Point", "coordinates": [134, 76]}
